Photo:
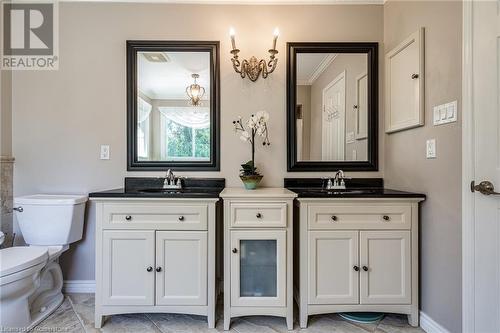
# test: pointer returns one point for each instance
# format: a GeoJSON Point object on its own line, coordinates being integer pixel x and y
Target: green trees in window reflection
{"type": "Point", "coordinates": [182, 140]}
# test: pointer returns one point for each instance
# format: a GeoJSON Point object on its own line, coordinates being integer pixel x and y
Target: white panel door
{"type": "Point", "coordinates": [361, 106]}
{"type": "Point", "coordinates": [128, 267]}
{"type": "Point", "coordinates": [181, 264]}
{"type": "Point", "coordinates": [258, 267]}
{"type": "Point", "coordinates": [481, 229]}
{"type": "Point", "coordinates": [385, 259]}
{"type": "Point", "coordinates": [333, 267]}
{"type": "Point", "coordinates": [333, 120]}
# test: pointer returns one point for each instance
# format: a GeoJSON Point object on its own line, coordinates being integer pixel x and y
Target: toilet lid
{"type": "Point", "coordinates": [17, 258]}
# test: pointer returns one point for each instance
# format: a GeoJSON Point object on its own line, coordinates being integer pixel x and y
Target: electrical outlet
{"type": "Point", "coordinates": [105, 152]}
{"type": "Point", "coordinates": [431, 148]}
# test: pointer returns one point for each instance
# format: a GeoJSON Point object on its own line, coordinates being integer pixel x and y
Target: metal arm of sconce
{"type": "Point", "coordinates": [253, 68]}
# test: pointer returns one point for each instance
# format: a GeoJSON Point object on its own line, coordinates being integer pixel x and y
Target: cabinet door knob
{"type": "Point", "coordinates": [181, 218]}
{"type": "Point", "coordinates": [356, 268]}
{"type": "Point", "coordinates": [235, 250]}
{"type": "Point", "coordinates": [386, 217]}
{"type": "Point", "coordinates": [128, 217]}
{"type": "Point", "coordinates": [414, 76]}
{"type": "Point", "coordinates": [149, 269]}
{"type": "Point", "coordinates": [334, 218]}
{"type": "Point", "coordinates": [365, 268]}
{"type": "Point", "coordinates": [259, 215]}
{"type": "Point", "coordinates": [158, 269]}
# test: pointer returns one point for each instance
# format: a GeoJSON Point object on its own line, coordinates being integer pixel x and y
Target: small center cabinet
{"type": "Point", "coordinates": [258, 253]}
{"type": "Point", "coordinates": [155, 255]}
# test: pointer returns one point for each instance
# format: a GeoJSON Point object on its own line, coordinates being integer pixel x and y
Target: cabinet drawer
{"type": "Point", "coordinates": [258, 214]}
{"type": "Point", "coordinates": [359, 216]}
{"type": "Point", "coordinates": [155, 216]}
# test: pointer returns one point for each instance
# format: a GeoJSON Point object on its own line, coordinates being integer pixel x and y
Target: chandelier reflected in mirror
{"type": "Point", "coordinates": [195, 92]}
{"type": "Point", "coordinates": [253, 68]}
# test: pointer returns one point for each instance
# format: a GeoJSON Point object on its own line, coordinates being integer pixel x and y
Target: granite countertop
{"type": "Point", "coordinates": [148, 187]}
{"type": "Point", "coordinates": [356, 188]}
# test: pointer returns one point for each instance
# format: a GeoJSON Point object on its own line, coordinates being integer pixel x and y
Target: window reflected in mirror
{"type": "Point", "coordinates": [331, 112]}
{"type": "Point", "coordinates": [173, 106]}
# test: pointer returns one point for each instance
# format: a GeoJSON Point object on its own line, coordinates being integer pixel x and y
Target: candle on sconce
{"type": "Point", "coordinates": [232, 33]}
{"type": "Point", "coordinates": [276, 34]}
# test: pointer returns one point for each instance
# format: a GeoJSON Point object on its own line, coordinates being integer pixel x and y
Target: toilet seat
{"type": "Point", "coordinates": [18, 258]}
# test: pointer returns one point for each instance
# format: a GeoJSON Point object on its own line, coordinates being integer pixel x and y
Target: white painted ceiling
{"type": "Point", "coordinates": [248, 2]}
{"type": "Point", "coordinates": [168, 80]}
{"type": "Point", "coordinates": [308, 64]}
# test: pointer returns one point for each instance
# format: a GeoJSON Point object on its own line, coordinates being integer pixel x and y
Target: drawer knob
{"type": "Point", "coordinates": [365, 268]}
{"type": "Point", "coordinates": [334, 218]}
{"type": "Point", "coordinates": [386, 218]}
{"type": "Point", "coordinates": [128, 217]}
{"type": "Point", "coordinates": [158, 269]}
{"type": "Point", "coordinates": [181, 218]}
{"type": "Point", "coordinates": [356, 268]}
{"type": "Point", "coordinates": [259, 215]}
{"type": "Point", "coordinates": [235, 250]}
{"type": "Point", "coordinates": [149, 269]}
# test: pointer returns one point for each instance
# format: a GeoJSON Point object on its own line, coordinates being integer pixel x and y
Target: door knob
{"type": "Point", "coordinates": [128, 217]}
{"type": "Point", "coordinates": [485, 187]}
{"type": "Point", "coordinates": [235, 250]}
{"type": "Point", "coordinates": [149, 269]}
{"type": "Point", "coordinates": [414, 76]}
{"type": "Point", "coordinates": [356, 268]}
{"type": "Point", "coordinates": [334, 218]}
{"type": "Point", "coordinates": [259, 215]}
{"type": "Point", "coordinates": [158, 269]}
{"type": "Point", "coordinates": [18, 209]}
{"type": "Point", "coordinates": [181, 218]}
{"type": "Point", "coordinates": [365, 268]}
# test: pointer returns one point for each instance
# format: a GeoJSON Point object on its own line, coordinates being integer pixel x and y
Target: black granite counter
{"type": "Point", "coordinates": [149, 187]}
{"type": "Point", "coordinates": [356, 188]}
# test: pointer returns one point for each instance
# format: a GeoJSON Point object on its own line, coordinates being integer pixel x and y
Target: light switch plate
{"type": "Point", "coordinates": [431, 148]}
{"type": "Point", "coordinates": [104, 152]}
{"type": "Point", "coordinates": [445, 113]}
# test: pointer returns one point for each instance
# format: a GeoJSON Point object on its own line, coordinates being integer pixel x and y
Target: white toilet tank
{"type": "Point", "coordinates": [48, 219]}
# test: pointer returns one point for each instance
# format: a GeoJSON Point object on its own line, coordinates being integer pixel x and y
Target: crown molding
{"type": "Point", "coordinates": [241, 2]}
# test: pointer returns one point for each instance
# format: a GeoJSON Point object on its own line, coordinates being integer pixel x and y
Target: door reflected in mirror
{"type": "Point", "coordinates": [173, 106]}
{"type": "Point", "coordinates": [331, 118]}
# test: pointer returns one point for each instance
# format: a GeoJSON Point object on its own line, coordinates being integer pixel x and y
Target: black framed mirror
{"type": "Point", "coordinates": [173, 105]}
{"type": "Point", "coordinates": [332, 106]}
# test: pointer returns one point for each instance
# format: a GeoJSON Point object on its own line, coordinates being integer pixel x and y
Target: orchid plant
{"type": "Point", "coordinates": [256, 126]}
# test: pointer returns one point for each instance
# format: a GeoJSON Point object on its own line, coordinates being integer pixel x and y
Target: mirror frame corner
{"type": "Point", "coordinates": [371, 49]}
{"type": "Point", "coordinates": [213, 48]}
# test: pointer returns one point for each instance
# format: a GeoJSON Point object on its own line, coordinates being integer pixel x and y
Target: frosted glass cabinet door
{"type": "Point", "coordinates": [258, 268]}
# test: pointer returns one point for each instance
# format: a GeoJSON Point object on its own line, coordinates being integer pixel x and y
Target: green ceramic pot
{"type": "Point", "coordinates": [251, 182]}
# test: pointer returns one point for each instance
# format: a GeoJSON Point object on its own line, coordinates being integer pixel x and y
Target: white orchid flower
{"type": "Point", "coordinates": [245, 136]}
{"type": "Point", "coordinates": [263, 116]}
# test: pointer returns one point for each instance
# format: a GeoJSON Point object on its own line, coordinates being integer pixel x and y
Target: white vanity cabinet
{"type": "Point", "coordinates": [357, 255]}
{"type": "Point", "coordinates": [258, 253]}
{"type": "Point", "coordinates": [155, 255]}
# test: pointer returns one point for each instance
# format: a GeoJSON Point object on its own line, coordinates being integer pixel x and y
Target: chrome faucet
{"type": "Point", "coordinates": [172, 182]}
{"type": "Point", "coordinates": [338, 182]}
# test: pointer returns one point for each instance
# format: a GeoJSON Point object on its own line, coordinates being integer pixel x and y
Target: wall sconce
{"type": "Point", "coordinates": [253, 67]}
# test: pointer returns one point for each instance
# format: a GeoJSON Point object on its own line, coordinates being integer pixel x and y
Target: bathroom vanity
{"type": "Point", "coordinates": [156, 248]}
{"type": "Point", "coordinates": [356, 249]}
{"type": "Point", "coordinates": [258, 253]}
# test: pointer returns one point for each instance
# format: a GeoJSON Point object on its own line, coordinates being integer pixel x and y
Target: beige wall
{"type": "Point", "coordinates": [406, 166]}
{"type": "Point", "coordinates": [304, 98]}
{"type": "Point", "coordinates": [68, 113]}
{"type": "Point", "coordinates": [5, 113]}
{"type": "Point", "coordinates": [353, 65]}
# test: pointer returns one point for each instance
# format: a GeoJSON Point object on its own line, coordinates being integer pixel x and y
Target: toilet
{"type": "Point", "coordinates": [30, 276]}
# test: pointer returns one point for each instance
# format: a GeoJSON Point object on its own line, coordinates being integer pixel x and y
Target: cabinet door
{"type": "Point", "coordinates": [258, 268]}
{"type": "Point", "coordinates": [333, 267]}
{"type": "Point", "coordinates": [181, 257]}
{"type": "Point", "coordinates": [385, 258]}
{"type": "Point", "coordinates": [128, 262]}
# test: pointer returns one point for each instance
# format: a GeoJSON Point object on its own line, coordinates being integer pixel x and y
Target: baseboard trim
{"type": "Point", "coordinates": [429, 325]}
{"type": "Point", "coordinates": [79, 286]}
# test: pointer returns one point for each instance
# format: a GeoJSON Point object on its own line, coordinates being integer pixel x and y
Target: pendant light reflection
{"type": "Point", "coordinates": [195, 92]}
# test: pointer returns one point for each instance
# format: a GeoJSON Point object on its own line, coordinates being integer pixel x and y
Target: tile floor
{"type": "Point", "coordinates": [76, 314]}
